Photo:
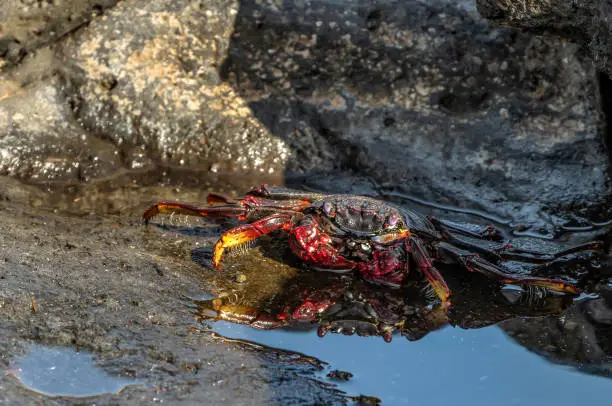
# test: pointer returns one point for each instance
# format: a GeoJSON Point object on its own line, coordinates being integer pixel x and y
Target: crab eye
{"type": "Point", "coordinates": [351, 243]}
{"type": "Point", "coordinates": [365, 246]}
{"type": "Point", "coordinates": [329, 209]}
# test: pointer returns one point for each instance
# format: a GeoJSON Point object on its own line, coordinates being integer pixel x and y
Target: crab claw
{"type": "Point", "coordinates": [315, 248]}
{"type": "Point", "coordinates": [235, 237]}
{"type": "Point", "coordinates": [241, 235]}
{"type": "Point", "coordinates": [250, 316]}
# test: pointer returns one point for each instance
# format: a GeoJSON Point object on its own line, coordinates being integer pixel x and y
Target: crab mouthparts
{"type": "Point", "coordinates": [390, 237]}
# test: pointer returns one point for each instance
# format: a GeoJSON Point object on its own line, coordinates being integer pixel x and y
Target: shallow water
{"type": "Point", "coordinates": [58, 371]}
{"type": "Point", "coordinates": [449, 366]}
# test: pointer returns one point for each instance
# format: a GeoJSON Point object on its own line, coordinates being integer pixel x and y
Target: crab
{"type": "Point", "coordinates": [379, 241]}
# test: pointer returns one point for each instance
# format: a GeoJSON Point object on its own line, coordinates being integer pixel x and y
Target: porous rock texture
{"type": "Point", "coordinates": [586, 21]}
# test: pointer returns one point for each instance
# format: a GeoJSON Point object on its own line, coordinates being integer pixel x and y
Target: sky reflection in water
{"type": "Point", "coordinates": [450, 366]}
{"type": "Point", "coordinates": [59, 371]}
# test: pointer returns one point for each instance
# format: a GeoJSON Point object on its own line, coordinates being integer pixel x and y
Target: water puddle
{"type": "Point", "coordinates": [59, 371]}
{"type": "Point", "coordinates": [401, 346]}
{"type": "Point", "coordinates": [449, 366]}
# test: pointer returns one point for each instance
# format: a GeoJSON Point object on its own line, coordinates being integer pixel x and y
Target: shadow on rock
{"type": "Point", "coordinates": [586, 22]}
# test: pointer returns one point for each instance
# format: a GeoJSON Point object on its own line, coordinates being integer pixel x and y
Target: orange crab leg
{"type": "Point", "coordinates": [489, 269]}
{"type": "Point", "coordinates": [179, 208]}
{"type": "Point", "coordinates": [248, 232]}
{"type": "Point", "coordinates": [216, 198]}
{"type": "Point", "coordinates": [551, 284]}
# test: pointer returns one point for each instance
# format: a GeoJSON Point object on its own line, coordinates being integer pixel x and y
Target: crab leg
{"type": "Point", "coordinates": [433, 276]}
{"type": "Point", "coordinates": [267, 193]}
{"type": "Point", "coordinates": [245, 210]}
{"type": "Point", "coordinates": [216, 198]}
{"type": "Point", "coordinates": [278, 193]}
{"type": "Point", "coordinates": [476, 264]}
{"type": "Point", "coordinates": [476, 231]}
{"type": "Point", "coordinates": [248, 232]}
{"type": "Point", "coordinates": [507, 252]}
{"type": "Point", "coordinates": [257, 203]}
{"type": "Point", "coordinates": [510, 253]}
{"type": "Point", "coordinates": [216, 212]}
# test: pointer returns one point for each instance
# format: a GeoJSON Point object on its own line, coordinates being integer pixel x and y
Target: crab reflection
{"type": "Point", "coordinates": [344, 305]}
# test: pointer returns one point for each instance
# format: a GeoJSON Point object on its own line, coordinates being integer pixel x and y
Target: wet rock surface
{"type": "Point", "coordinates": [42, 141]}
{"type": "Point", "coordinates": [581, 338]}
{"type": "Point", "coordinates": [143, 79]}
{"type": "Point", "coordinates": [26, 25]}
{"type": "Point", "coordinates": [145, 76]}
{"type": "Point", "coordinates": [587, 22]}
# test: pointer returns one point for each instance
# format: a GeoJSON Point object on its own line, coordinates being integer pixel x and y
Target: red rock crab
{"type": "Point", "coordinates": [344, 233]}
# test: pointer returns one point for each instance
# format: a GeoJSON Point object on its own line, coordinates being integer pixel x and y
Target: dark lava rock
{"type": "Point", "coordinates": [338, 375]}
{"type": "Point", "coordinates": [580, 337]}
{"type": "Point", "coordinates": [363, 400]}
{"type": "Point", "coordinates": [26, 25]}
{"type": "Point", "coordinates": [586, 21]}
{"type": "Point", "coordinates": [428, 99]}
{"type": "Point", "coordinates": [10, 50]}
{"type": "Point", "coordinates": [136, 88]}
